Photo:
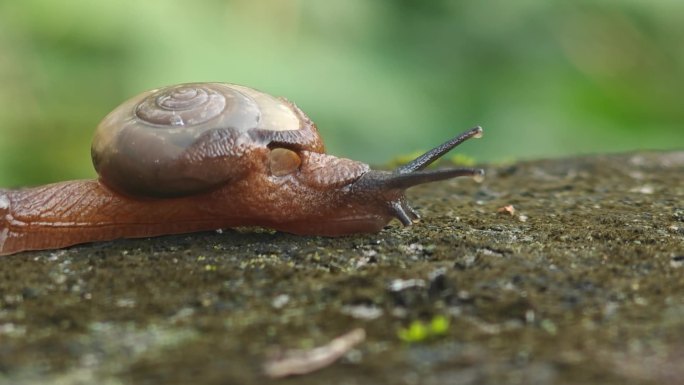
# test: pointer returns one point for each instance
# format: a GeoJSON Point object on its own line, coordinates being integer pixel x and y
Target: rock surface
{"type": "Point", "coordinates": [581, 281]}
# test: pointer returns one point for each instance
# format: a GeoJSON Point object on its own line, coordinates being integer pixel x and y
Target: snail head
{"type": "Point", "coordinates": [392, 184]}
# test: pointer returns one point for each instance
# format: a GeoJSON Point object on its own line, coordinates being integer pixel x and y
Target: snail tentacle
{"type": "Point", "coordinates": [393, 183]}
{"type": "Point", "coordinates": [426, 159]}
{"type": "Point", "coordinates": [402, 212]}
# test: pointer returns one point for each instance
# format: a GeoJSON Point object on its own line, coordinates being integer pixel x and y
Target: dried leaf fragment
{"type": "Point", "coordinates": [296, 362]}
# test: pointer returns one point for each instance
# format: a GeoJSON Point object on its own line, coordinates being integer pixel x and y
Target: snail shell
{"type": "Point", "coordinates": [218, 155]}
{"type": "Point", "coordinates": [163, 142]}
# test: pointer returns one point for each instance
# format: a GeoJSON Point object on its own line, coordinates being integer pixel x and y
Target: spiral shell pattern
{"type": "Point", "coordinates": [182, 105]}
{"type": "Point", "coordinates": [181, 139]}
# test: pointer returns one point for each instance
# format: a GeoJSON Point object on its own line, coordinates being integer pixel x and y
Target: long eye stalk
{"type": "Point", "coordinates": [404, 181]}
{"type": "Point", "coordinates": [412, 174]}
{"type": "Point", "coordinates": [426, 159]}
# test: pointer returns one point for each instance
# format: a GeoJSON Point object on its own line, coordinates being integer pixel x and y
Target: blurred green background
{"type": "Point", "coordinates": [380, 78]}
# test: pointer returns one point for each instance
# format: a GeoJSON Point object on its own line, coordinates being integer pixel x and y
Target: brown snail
{"type": "Point", "coordinates": [202, 156]}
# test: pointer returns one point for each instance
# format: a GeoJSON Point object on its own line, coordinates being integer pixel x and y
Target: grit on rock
{"type": "Point", "coordinates": [550, 272]}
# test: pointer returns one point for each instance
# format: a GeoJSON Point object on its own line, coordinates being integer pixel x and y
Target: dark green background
{"type": "Point", "coordinates": [380, 78]}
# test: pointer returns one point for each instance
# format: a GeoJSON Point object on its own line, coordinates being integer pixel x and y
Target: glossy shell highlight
{"type": "Point", "coordinates": [162, 142]}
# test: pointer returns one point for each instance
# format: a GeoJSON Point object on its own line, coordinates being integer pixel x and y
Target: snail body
{"type": "Point", "coordinates": [202, 156]}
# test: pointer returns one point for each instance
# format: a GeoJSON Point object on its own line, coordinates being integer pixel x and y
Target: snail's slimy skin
{"type": "Point", "coordinates": [187, 167]}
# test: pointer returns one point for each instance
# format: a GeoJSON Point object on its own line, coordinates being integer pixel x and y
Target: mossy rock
{"type": "Point", "coordinates": [581, 281]}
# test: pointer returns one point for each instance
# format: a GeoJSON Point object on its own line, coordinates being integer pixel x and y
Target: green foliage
{"type": "Point", "coordinates": [419, 331]}
{"type": "Point", "coordinates": [457, 159]}
{"type": "Point", "coordinates": [379, 78]}
{"type": "Point", "coordinates": [462, 160]}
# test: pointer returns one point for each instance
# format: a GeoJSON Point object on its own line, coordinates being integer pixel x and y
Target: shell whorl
{"type": "Point", "coordinates": [183, 105]}
{"type": "Point", "coordinates": [181, 139]}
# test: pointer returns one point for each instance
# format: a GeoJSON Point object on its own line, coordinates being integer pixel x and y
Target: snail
{"type": "Point", "coordinates": [203, 156]}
